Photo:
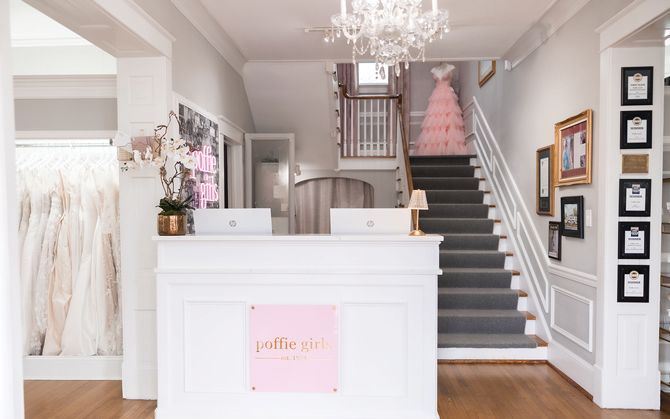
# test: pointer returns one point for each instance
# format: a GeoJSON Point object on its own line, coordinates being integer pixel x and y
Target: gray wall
{"type": "Point", "coordinates": [558, 80]}
{"type": "Point", "coordinates": [199, 72]}
{"type": "Point", "coordinates": [65, 114]}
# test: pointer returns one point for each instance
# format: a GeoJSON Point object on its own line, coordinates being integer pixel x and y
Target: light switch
{"type": "Point", "coordinates": [588, 215]}
{"type": "Point", "coordinates": [667, 206]}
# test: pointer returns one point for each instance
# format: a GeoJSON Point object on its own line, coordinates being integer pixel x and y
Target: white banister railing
{"type": "Point", "coordinates": [515, 214]}
{"type": "Point", "coordinates": [368, 126]}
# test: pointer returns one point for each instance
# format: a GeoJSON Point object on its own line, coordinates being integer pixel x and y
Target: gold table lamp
{"type": "Point", "coordinates": [417, 203]}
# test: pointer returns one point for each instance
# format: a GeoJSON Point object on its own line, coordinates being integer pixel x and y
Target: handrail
{"type": "Point", "coordinates": [346, 95]}
{"type": "Point", "coordinates": [405, 150]}
{"type": "Point", "coordinates": [405, 142]}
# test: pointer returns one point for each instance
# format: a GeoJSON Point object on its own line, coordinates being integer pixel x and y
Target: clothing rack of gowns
{"type": "Point", "coordinates": [68, 199]}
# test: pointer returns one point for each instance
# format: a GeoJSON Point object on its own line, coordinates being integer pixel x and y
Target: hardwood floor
{"type": "Point", "coordinates": [466, 391]}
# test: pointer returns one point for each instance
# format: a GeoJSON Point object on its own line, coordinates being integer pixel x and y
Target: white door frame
{"type": "Point", "coordinates": [11, 369]}
{"type": "Point", "coordinates": [248, 179]}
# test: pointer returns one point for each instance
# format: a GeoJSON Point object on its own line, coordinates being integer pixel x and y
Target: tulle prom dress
{"type": "Point", "coordinates": [443, 129]}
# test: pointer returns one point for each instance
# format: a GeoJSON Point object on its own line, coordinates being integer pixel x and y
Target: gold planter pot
{"type": "Point", "coordinates": [172, 225]}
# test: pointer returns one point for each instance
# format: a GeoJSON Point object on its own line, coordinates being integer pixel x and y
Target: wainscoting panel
{"type": "Point", "coordinates": [572, 316]}
{"type": "Point", "coordinates": [373, 326]}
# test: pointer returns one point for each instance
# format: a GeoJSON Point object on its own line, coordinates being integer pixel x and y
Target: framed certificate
{"type": "Point", "coordinates": [634, 197]}
{"type": "Point", "coordinates": [634, 240]}
{"type": "Point", "coordinates": [544, 181]}
{"type": "Point", "coordinates": [637, 86]}
{"type": "Point", "coordinates": [554, 242]}
{"type": "Point", "coordinates": [633, 284]}
{"type": "Point", "coordinates": [635, 130]}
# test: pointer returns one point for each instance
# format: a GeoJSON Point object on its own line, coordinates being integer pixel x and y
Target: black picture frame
{"type": "Point", "coordinates": [635, 227]}
{"type": "Point", "coordinates": [544, 205]}
{"type": "Point", "coordinates": [572, 206]}
{"type": "Point", "coordinates": [624, 270]}
{"type": "Point", "coordinates": [634, 116]}
{"type": "Point", "coordinates": [643, 185]}
{"type": "Point", "coordinates": [554, 247]}
{"type": "Point", "coordinates": [627, 72]}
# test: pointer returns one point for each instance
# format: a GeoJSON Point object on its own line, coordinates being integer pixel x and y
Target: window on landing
{"type": "Point", "coordinates": [371, 81]}
{"type": "Point", "coordinates": [369, 76]}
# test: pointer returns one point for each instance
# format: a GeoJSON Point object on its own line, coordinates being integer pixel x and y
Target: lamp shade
{"type": "Point", "coordinates": [418, 200]}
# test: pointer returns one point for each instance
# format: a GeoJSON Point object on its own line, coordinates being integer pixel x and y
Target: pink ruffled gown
{"type": "Point", "coordinates": [443, 129]}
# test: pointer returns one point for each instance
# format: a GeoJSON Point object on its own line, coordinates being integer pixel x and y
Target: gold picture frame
{"type": "Point", "coordinates": [544, 180]}
{"type": "Point", "coordinates": [573, 145]}
{"type": "Point", "coordinates": [485, 70]}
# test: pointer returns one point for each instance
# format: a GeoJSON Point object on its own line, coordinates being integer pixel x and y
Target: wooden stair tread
{"type": "Point", "coordinates": [529, 315]}
{"type": "Point", "coordinates": [516, 273]}
{"type": "Point", "coordinates": [540, 342]}
{"type": "Point", "coordinates": [509, 254]}
{"type": "Point", "coordinates": [522, 293]}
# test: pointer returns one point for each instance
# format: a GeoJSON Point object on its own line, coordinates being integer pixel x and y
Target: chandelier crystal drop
{"type": "Point", "coordinates": [391, 31]}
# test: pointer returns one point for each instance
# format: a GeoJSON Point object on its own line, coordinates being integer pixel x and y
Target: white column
{"type": "Point", "coordinates": [144, 101]}
{"type": "Point", "coordinates": [11, 370]}
{"type": "Point", "coordinates": [627, 333]}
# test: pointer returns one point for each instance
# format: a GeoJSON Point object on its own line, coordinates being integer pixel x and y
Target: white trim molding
{"type": "Point", "coordinates": [65, 87]}
{"type": "Point", "coordinates": [630, 20]}
{"type": "Point", "coordinates": [582, 372]}
{"type": "Point", "coordinates": [198, 15]}
{"type": "Point", "coordinates": [573, 275]}
{"type": "Point", "coordinates": [588, 345]}
{"type": "Point", "coordinates": [72, 367]}
{"type": "Point", "coordinates": [64, 135]}
{"type": "Point", "coordinates": [557, 15]}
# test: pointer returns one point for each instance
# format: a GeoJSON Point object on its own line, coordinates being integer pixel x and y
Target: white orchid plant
{"type": "Point", "coordinates": [174, 160]}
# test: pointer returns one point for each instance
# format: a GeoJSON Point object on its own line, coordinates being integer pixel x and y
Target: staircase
{"type": "Point", "coordinates": [481, 308]}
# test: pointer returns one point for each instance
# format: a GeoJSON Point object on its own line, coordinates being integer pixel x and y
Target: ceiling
{"type": "Point", "coordinates": [274, 30]}
{"type": "Point", "coordinates": [31, 27]}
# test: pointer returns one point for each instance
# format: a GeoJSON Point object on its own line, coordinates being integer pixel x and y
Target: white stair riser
{"type": "Point", "coordinates": [530, 327]}
{"type": "Point", "coordinates": [516, 283]}
{"type": "Point", "coordinates": [509, 263]}
{"type": "Point", "coordinates": [493, 353]}
{"type": "Point", "coordinates": [502, 245]}
{"type": "Point", "coordinates": [523, 304]}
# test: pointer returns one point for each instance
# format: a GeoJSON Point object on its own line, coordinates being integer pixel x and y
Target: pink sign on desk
{"type": "Point", "coordinates": [294, 348]}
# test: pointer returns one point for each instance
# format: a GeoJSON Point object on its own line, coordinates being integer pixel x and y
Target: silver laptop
{"type": "Point", "coordinates": [370, 221]}
{"type": "Point", "coordinates": [243, 221]}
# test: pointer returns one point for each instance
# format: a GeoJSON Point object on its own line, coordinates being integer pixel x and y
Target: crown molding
{"type": "Point", "coordinates": [629, 20]}
{"type": "Point", "coordinates": [557, 15]}
{"type": "Point", "coordinates": [200, 18]}
{"type": "Point", "coordinates": [65, 87]}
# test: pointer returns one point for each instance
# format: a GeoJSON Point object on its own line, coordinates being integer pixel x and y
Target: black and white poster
{"type": "Point", "coordinates": [202, 135]}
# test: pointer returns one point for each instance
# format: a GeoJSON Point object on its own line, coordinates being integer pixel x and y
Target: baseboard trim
{"type": "Point", "coordinates": [571, 381]}
{"type": "Point", "coordinates": [499, 354]}
{"type": "Point", "coordinates": [494, 361]}
{"type": "Point", "coordinates": [572, 367]}
{"type": "Point", "coordinates": [72, 367]}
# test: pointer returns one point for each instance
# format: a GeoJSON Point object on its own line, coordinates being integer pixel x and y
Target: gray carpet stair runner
{"type": "Point", "coordinates": [477, 307]}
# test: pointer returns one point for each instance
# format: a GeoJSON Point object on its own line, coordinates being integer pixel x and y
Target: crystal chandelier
{"type": "Point", "coordinates": [392, 31]}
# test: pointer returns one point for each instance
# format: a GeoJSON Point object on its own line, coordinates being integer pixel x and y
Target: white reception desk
{"type": "Point", "coordinates": [297, 327]}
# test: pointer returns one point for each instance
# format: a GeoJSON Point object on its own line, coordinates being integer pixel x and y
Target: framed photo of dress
{"type": "Point", "coordinates": [573, 142]}
{"type": "Point", "coordinates": [554, 240]}
{"type": "Point", "coordinates": [572, 216]}
{"type": "Point", "coordinates": [485, 70]}
{"type": "Point", "coordinates": [635, 129]}
{"type": "Point", "coordinates": [633, 284]}
{"type": "Point", "coordinates": [544, 168]}
{"type": "Point", "coordinates": [634, 197]}
{"type": "Point", "coordinates": [633, 240]}
{"type": "Point", "coordinates": [637, 86]}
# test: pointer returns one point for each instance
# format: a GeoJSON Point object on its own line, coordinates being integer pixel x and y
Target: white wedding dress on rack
{"type": "Point", "coordinates": [69, 269]}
